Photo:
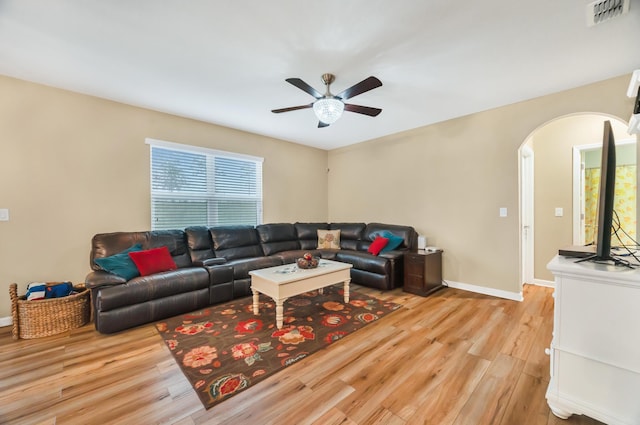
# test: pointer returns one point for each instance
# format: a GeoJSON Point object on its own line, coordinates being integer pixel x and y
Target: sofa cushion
{"type": "Point", "coordinates": [277, 237]}
{"type": "Point", "coordinates": [407, 233]}
{"type": "Point", "coordinates": [377, 245]}
{"type": "Point", "coordinates": [350, 234]}
{"type": "Point", "coordinates": [146, 288]}
{"type": "Point", "coordinates": [199, 243]}
{"type": "Point", "coordinates": [364, 261]}
{"type": "Point", "coordinates": [120, 264]}
{"type": "Point", "coordinates": [176, 243]}
{"type": "Point", "coordinates": [288, 257]}
{"type": "Point", "coordinates": [307, 234]}
{"type": "Point", "coordinates": [152, 261]}
{"type": "Point", "coordinates": [108, 244]}
{"type": "Point", "coordinates": [242, 266]}
{"type": "Point", "coordinates": [329, 239]}
{"type": "Point", "coordinates": [233, 242]}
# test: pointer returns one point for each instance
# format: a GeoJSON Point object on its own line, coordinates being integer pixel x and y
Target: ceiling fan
{"type": "Point", "coordinates": [328, 107]}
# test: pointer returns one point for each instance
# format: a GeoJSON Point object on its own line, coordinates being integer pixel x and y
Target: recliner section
{"type": "Point", "coordinates": [119, 304]}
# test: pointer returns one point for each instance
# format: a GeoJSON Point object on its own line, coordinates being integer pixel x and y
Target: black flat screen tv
{"type": "Point", "coordinates": [606, 195]}
{"type": "Point", "coordinates": [605, 201]}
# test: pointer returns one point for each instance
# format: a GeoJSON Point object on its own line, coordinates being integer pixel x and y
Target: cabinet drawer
{"type": "Point", "coordinates": [413, 258]}
{"type": "Point", "coordinates": [414, 264]}
{"type": "Point", "coordinates": [413, 283]}
{"type": "Point", "coordinates": [414, 269]}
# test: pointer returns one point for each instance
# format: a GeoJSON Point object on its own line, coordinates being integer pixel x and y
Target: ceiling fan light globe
{"type": "Point", "coordinates": [328, 110]}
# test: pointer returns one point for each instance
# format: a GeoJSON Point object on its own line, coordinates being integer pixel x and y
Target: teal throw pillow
{"type": "Point", "coordinates": [394, 241]}
{"type": "Point", "coordinates": [120, 264]}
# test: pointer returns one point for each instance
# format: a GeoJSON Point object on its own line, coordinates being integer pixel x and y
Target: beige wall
{"type": "Point", "coordinates": [449, 180]}
{"type": "Point", "coordinates": [553, 182]}
{"type": "Point", "coordinates": [74, 165]}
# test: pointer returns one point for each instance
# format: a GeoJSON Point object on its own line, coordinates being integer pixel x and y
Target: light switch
{"type": "Point", "coordinates": [503, 212]}
{"type": "Point", "coordinates": [4, 214]}
{"type": "Point", "coordinates": [559, 212]}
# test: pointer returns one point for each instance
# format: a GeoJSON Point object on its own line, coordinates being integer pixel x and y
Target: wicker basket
{"type": "Point", "coordinates": [35, 319]}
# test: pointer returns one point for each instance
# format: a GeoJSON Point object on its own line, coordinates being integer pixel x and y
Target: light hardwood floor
{"type": "Point", "coordinates": [452, 358]}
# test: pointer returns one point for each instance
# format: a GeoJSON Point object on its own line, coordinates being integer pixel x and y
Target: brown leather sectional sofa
{"type": "Point", "coordinates": [213, 265]}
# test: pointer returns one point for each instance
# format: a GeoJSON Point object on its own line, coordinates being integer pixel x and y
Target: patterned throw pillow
{"type": "Point", "coordinates": [329, 239]}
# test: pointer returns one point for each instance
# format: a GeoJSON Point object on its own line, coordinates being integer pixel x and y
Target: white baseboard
{"type": "Point", "coordinates": [541, 282]}
{"type": "Point", "coordinates": [515, 296]}
{"type": "Point", "coordinates": [6, 321]}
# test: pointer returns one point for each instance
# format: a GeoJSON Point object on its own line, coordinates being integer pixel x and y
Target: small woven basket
{"type": "Point", "coordinates": [36, 319]}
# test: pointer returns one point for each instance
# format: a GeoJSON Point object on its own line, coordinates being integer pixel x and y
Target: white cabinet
{"type": "Point", "coordinates": [595, 350]}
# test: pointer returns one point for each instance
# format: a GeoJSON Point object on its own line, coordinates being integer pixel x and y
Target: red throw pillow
{"type": "Point", "coordinates": [377, 245]}
{"type": "Point", "coordinates": [153, 261]}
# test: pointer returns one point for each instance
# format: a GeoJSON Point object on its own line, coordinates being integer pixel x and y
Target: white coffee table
{"type": "Point", "coordinates": [282, 282]}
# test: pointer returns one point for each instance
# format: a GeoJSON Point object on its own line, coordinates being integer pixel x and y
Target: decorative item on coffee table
{"type": "Point", "coordinates": [308, 261]}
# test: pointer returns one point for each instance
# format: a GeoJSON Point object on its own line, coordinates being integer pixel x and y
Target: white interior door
{"type": "Point", "coordinates": [526, 214]}
{"type": "Point", "coordinates": [578, 194]}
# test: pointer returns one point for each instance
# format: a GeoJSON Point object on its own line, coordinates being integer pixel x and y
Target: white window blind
{"type": "Point", "coordinates": [195, 186]}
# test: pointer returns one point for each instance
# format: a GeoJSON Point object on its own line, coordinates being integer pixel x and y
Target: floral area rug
{"type": "Point", "coordinates": [224, 349]}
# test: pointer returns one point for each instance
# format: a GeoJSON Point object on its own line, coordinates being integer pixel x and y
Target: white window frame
{"type": "Point", "coordinates": [210, 195]}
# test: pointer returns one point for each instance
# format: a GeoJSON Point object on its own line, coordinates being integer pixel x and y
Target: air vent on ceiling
{"type": "Point", "coordinates": [604, 10]}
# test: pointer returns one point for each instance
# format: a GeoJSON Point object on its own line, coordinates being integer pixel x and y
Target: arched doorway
{"type": "Point", "coordinates": [546, 187]}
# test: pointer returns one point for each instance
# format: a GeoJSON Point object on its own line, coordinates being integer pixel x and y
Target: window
{"type": "Point", "coordinates": [196, 186]}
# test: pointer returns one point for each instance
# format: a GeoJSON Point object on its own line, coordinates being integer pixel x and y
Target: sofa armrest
{"type": "Point", "coordinates": [210, 262]}
{"type": "Point", "coordinates": [220, 283]}
{"type": "Point", "coordinates": [101, 278]}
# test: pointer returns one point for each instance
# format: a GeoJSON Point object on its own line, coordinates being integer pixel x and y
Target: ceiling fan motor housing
{"type": "Point", "coordinates": [328, 79]}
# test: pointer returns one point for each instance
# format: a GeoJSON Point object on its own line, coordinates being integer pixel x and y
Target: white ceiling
{"type": "Point", "coordinates": [225, 62]}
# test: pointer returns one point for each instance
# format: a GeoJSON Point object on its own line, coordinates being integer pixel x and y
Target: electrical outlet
{"type": "Point", "coordinates": [503, 212]}
{"type": "Point", "coordinates": [4, 214]}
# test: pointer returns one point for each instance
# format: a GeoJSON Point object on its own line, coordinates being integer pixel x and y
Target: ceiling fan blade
{"type": "Point", "coordinates": [363, 86]}
{"type": "Point", "coordinates": [365, 110]}
{"type": "Point", "coordinates": [304, 87]}
{"type": "Point", "coordinates": [292, 108]}
{"type": "Point", "coordinates": [322, 124]}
